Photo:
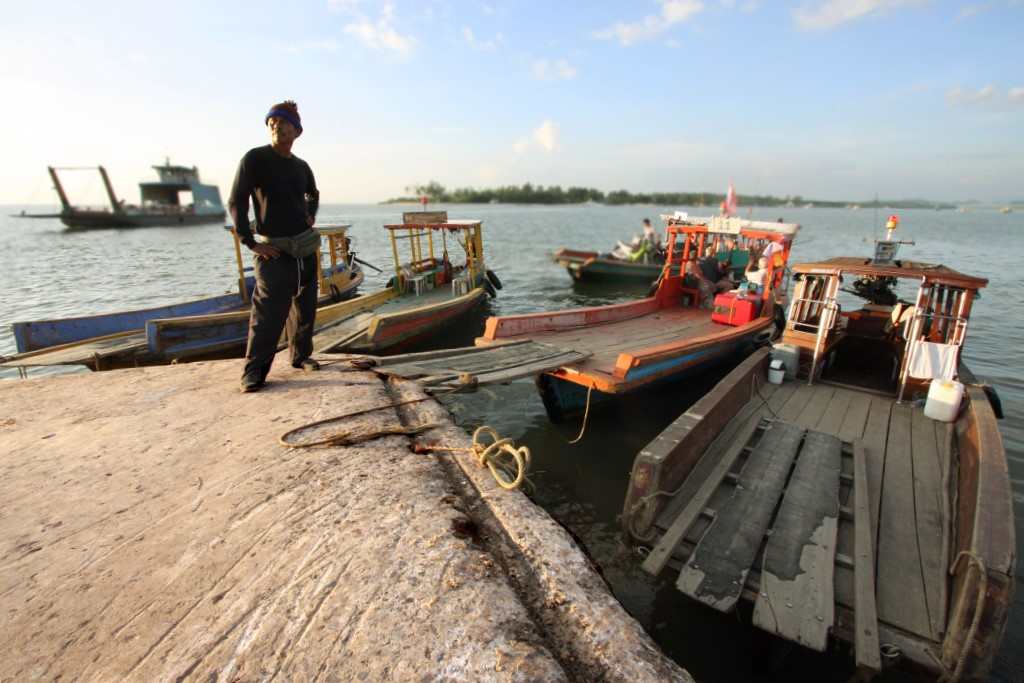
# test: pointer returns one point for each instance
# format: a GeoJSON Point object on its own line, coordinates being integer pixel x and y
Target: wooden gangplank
{"type": "Point", "coordinates": [796, 600]}
{"type": "Point", "coordinates": [486, 364]}
{"type": "Point", "coordinates": [716, 571]}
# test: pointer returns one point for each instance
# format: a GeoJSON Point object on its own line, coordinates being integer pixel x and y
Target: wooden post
{"type": "Point", "coordinates": [242, 290]}
{"type": "Point", "coordinates": [397, 286]}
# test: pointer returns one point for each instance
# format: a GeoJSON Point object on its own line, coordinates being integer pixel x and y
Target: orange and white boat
{"type": "Point", "coordinates": [668, 335]}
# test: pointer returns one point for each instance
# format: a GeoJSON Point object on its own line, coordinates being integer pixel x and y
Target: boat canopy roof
{"type": "Point", "coordinates": [447, 225]}
{"type": "Point", "coordinates": [733, 225]}
{"type": "Point", "coordinates": [858, 265]}
{"type": "Point", "coordinates": [332, 229]}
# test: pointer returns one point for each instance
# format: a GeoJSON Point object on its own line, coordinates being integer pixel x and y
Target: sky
{"type": "Point", "coordinates": [827, 99]}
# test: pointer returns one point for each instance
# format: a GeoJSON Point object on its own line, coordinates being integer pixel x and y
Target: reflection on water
{"type": "Point", "coordinates": [50, 273]}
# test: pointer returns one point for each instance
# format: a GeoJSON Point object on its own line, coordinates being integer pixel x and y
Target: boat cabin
{"type": "Point", "coordinates": [732, 241]}
{"type": "Point", "coordinates": [886, 325]}
{"type": "Point", "coordinates": [419, 245]}
{"type": "Point", "coordinates": [167, 193]}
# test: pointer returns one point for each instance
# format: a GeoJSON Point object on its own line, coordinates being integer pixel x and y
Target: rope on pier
{"type": "Point", "coordinates": [977, 562]}
{"type": "Point", "coordinates": [508, 464]}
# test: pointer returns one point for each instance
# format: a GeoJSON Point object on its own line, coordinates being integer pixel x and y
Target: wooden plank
{"type": "Point", "coordinates": [716, 571]}
{"type": "Point", "coordinates": [796, 404]}
{"type": "Point", "coordinates": [697, 491]}
{"type": "Point", "coordinates": [875, 432]}
{"type": "Point", "coordinates": [901, 593]}
{"type": "Point", "coordinates": [831, 421]}
{"type": "Point", "coordinates": [796, 597]}
{"type": "Point", "coordinates": [928, 509]}
{"type": "Point", "coordinates": [765, 400]}
{"type": "Point", "coordinates": [821, 396]}
{"type": "Point", "coordinates": [856, 416]}
{"type": "Point", "coordinates": [865, 611]}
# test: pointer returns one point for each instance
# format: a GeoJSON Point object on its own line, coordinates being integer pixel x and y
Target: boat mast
{"type": "Point", "coordinates": [110, 190]}
{"type": "Point", "coordinates": [59, 188]}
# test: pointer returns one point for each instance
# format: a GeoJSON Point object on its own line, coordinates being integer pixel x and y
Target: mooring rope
{"type": "Point", "coordinates": [961, 661]}
{"type": "Point", "coordinates": [586, 412]}
{"type": "Point", "coordinates": [508, 465]}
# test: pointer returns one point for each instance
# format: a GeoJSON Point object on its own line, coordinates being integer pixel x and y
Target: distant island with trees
{"type": "Point", "coordinates": [555, 194]}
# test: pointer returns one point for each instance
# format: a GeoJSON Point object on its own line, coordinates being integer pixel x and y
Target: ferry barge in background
{"type": "Point", "coordinates": [161, 201]}
{"type": "Point", "coordinates": [833, 506]}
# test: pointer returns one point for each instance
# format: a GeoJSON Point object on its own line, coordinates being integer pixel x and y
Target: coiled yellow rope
{"type": "Point", "coordinates": [508, 464]}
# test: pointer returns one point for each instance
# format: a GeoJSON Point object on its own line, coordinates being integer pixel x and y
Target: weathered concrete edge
{"type": "Point", "coordinates": [593, 637]}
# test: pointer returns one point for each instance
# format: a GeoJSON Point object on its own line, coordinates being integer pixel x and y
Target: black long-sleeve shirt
{"type": "Point", "coordinates": [283, 192]}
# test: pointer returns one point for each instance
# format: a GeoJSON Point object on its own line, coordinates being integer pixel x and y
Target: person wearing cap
{"type": "Point", "coordinates": [285, 201]}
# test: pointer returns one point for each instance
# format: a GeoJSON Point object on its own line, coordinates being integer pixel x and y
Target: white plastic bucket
{"type": "Point", "coordinates": [944, 397]}
{"type": "Point", "coordinates": [776, 371]}
{"type": "Point", "coordinates": [789, 355]}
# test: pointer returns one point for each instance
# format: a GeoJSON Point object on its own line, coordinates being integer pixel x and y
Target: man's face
{"type": "Point", "coordinates": [281, 131]}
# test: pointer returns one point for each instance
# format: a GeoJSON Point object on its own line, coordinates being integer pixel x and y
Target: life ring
{"type": "Point", "coordinates": [488, 287]}
{"type": "Point", "coordinates": [492, 278]}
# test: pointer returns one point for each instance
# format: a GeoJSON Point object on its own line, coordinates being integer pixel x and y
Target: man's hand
{"type": "Point", "coordinates": [265, 251]}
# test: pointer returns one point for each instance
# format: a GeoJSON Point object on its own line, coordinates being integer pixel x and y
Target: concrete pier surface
{"type": "Point", "coordinates": [153, 529]}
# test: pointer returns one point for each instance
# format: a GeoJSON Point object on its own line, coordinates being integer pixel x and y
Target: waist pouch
{"type": "Point", "coordinates": [298, 246]}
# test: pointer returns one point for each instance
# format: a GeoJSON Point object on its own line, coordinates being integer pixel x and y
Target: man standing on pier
{"type": "Point", "coordinates": [285, 200]}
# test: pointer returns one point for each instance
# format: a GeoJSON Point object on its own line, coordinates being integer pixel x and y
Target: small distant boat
{"type": "Point", "coordinates": [666, 336]}
{"type": "Point", "coordinates": [1006, 209]}
{"type": "Point", "coordinates": [592, 266]}
{"type": "Point", "coordinates": [161, 202]}
{"type": "Point", "coordinates": [163, 334]}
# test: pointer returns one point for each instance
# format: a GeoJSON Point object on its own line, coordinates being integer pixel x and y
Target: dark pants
{"type": "Point", "coordinates": [286, 294]}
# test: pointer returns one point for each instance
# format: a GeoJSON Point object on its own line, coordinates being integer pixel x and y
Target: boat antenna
{"type": "Point", "coordinates": [874, 218]}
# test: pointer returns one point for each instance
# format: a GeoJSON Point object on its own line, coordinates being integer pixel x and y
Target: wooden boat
{"type": "Point", "coordinates": [831, 507]}
{"type": "Point", "coordinates": [151, 336]}
{"type": "Point", "coordinates": [661, 338]}
{"type": "Point", "coordinates": [427, 295]}
{"type": "Point", "coordinates": [585, 266]}
{"type": "Point", "coordinates": [161, 202]}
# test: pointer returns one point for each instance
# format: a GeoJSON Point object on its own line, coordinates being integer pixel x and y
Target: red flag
{"type": "Point", "coordinates": [730, 203]}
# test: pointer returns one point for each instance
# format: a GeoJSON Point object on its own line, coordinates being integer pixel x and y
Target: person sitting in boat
{"type": "Point", "coordinates": [756, 275]}
{"type": "Point", "coordinates": [652, 242]}
{"type": "Point", "coordinates": [705, 288]}
{"type": "Point", "coordinates": [716, 272]}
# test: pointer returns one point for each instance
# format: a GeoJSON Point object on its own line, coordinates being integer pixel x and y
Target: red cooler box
{"type": "Point", "coordinates": [734, 309]}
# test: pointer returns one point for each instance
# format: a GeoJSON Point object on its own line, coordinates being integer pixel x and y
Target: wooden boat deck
{"type": "Point", "coordinates": [90, 352]}
{"type": "Point", "coordinates": [603, 342]}
{"type": "Point", "coordinates": [868, 481]}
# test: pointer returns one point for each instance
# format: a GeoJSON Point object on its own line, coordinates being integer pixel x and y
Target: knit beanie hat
{"type": "Point", "coordinates": [287, 110]}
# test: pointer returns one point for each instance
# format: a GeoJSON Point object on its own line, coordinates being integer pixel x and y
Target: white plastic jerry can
{"type": "Point", "coordinates": [944, 397]}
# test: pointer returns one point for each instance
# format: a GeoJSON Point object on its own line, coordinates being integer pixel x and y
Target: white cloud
{"type": "Point", "coordinates": [828, 14]}
{"type": "Point", "coordinates": [557, 70]}
{"type": "Point", "coordinates": [482, 45]}
{"type": "Point", "coordinates": [379, 34]}
{"type": "Point", "coordinates": [958, 95]}
{"type": "Point", "coordinates": [1016, 95]}
{"type": "Point", "coordinates": [544, 137]}
{"type": "Point", "coordinates": [968, 11]}
{"type": "Point", "coordinates": [672, 12]}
